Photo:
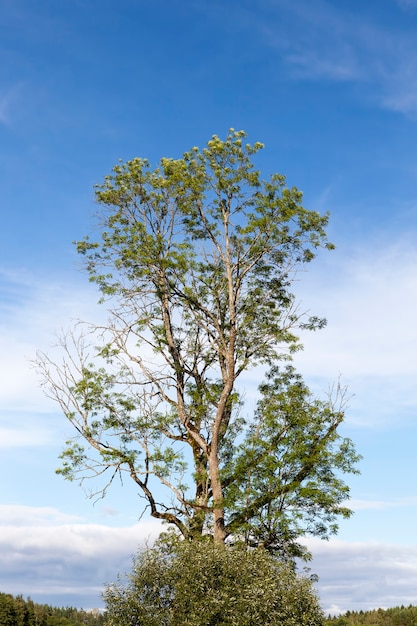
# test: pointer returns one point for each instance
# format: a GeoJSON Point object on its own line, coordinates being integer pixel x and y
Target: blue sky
{"type": "Point", "coordinates": [330, 87]}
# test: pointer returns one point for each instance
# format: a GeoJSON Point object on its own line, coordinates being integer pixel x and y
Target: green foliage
{"type": "Point", "coordinates": [284, 479]}
{"type": "Point", "coordinates": [196, 260]}
{"type": "Point", "coordinates": [202, 584]}
{"type": "Point", "coordinates": [8, 614]}
{"type": "Point", "coordinates": [16, 611]}
{"type": "Point", "coordinates": [396, 616]}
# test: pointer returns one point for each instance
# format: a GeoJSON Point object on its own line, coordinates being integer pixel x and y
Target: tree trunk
{"type": "Point", "coordinates": [219, 533]}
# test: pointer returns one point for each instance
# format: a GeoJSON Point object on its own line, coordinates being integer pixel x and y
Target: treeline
{"type": "Point", "coordinates": [16, 611]}
{"type": "Point", "coordinates": [397, 616]}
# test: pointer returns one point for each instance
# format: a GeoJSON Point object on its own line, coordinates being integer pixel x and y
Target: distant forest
{"type": "Point", "coordinates": [398, 616]}
{"type": "Point", "coordinates": [16, 611]}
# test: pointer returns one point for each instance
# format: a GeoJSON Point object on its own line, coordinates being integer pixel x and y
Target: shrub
{"type": "Point", "coordinates": [202, 584]}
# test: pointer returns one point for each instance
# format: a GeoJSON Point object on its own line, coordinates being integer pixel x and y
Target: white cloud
{"type": "Point", "coordinates": [19, 437]}
{"type": "Point", "coordinates": [363, 576]}
{"type": "Point", "coordinates": [56, 558]}
{"type": "Point", "coordinates": [32, 312]}
{"type": "Point", "coordinates": [381, 505]}
{"type": "Point", "coordinates": [17, 515]}
{"type": "Point", "coordinates": [369, 296]}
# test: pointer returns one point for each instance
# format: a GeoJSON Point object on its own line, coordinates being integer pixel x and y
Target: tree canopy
{"type": "Point", "coordinates": [211, 585]}
{"type": "Point", "coordinates": [195, 261]}
{"type": "Point", "coordinates": [16, 611]}
{"type": "Point", "coordinates": [395, 616]}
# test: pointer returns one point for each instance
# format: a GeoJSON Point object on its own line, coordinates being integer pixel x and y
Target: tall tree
{"type": "Point", "coordinates": [195, 261]}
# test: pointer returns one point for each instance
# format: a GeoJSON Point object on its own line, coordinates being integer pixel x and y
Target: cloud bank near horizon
{"type": "Point", "coordinates": [57, 559]}
{"type": "Point", "coordinates": [364, 576]}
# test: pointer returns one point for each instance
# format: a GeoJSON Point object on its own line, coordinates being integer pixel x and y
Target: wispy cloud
{"type": "Point", "coordinates": [407, 4]}
{"type": "Point", "coordinates": [381, 505]}
{"type": "Point", "coordinates": [313, 65]}
{"type": "Point", "coordinates": [8, 99]}
{"type": "Point", "coordinates": [347, 45]}
{"type": "Point", "coordinates": [25, 435]}
{"type": "Point", "coordinates": [17, 515]}
{"type": "Point", "coordinates": [369, 296]}
{"type": "Point", "coordinates": [32, 312]}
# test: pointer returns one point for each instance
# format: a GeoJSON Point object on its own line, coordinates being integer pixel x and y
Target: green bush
{"type": "Point", "coordinates": [202, 584]}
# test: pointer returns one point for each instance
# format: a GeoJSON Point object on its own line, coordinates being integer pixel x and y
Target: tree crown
{"type": "Point", "coordinates": [196, 261]}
